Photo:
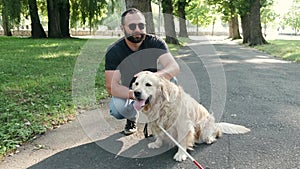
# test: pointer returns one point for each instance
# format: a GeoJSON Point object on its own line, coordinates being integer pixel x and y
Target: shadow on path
{"type": "Point", "coordinates": [92, 155]}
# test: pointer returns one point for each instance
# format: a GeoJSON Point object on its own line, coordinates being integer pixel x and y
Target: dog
{"type": "Point", "coordinates": [167, 105]}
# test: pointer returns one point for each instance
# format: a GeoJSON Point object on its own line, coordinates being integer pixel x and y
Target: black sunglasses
{"type": "Point", "coordinates": [132, 26]}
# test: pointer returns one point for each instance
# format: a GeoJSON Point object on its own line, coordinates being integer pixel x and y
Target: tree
{"type": "Point", "coordinates": [245, 20]}
{"type": "Point", "coordinates": [90, 11]}
{"type": "Point", "coordinates": [181, 5]}
{"type": "Point", "coordinates": [58, 18]}
{"type": "Point", "coordinates": [292, 18]}
{"type": "Point", "coordinates": [167, 9]}
{"type": "Point", "coordinates": [229, 11]}
{"type": "Point", "coordinates": [145, 7]}
{"type": "Point", "coordinates": [267, 15]}
{"type": "Point", "coordinates": [10, 15]}
{"type": "Point", "coordinates": [37, 30]}
{"type": "Point", "coordinates": [256, 37]}
{"type": "Point", "coordinates": [112, 21]}
{"type": "Point", "coordinates": [233, 22]}
{"type": "Point", "coordinates": [64, 18]}
{"type": "Point", "coordinates": [200, 13]}
{"type": "Point", "coordinates": [250, 13]}
{"type": "Point", "coordinates": [244, 11]}
{"type": "Point", "coordinates": [54, 30]}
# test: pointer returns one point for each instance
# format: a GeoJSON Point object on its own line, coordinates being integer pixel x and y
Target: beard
{"type": "Point", "coordinates": [133, 39]}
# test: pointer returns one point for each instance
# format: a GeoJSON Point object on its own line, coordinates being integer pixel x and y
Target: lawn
{"type": "Point", "coordinates": [36, 84]}
{"type": "Point", "coordinates": [41, 82]}
{"type": "Point", "coordinates": [284, 49]}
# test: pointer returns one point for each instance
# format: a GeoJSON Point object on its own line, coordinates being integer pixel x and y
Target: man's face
{"type": "Point", "coordinates": [134, 27]}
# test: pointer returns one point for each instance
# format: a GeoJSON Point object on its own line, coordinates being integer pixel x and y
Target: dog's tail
{"type": "Point", "coordinates": [229, 128]}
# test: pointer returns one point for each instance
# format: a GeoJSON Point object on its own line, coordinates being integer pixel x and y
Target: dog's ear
{"type": "Point", "coordinates": [169, 90]}
{"type": "Point", "coordinates": [131, 82]}
{"type": "Point", "coordinates": [165, 93]}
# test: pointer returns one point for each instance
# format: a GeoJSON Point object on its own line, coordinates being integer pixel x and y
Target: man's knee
{"type": "Point", "coordinates": [115, 106]}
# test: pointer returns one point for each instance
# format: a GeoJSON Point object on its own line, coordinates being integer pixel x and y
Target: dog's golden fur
{"type": "Point", "coordinates": [168, 106]}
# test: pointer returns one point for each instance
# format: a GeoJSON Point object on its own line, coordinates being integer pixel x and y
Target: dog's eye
{"type": "Point", "coordinates": [136, 83]}
{"type": "Point", "coordinates": [148, 84]}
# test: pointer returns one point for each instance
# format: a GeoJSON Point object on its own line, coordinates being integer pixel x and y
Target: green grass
{"type": "Point", "coordinates": [43, 79]}
{"type": "Point", "coordinates": [174, 48]}
{"type": "Point", "coordinates": [36, 85]}
{"type": "Point", "coordinates": [284, 49]}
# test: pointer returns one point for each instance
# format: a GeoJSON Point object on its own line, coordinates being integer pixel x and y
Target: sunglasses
{"type": "Point", "coordinates": [132, 26]}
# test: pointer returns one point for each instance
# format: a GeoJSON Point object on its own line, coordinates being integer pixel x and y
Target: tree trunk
{"type": "Point", "coordinates": [5, 23]}
{"type": "Point", "coordinates": [246, 28]}
{"type": "Point", "coordinates": [230, 29]}
{"type": "Point", "coordinates": [64, 18]}
{"type": "Point", "coordinates": [256, 37]}
{"type": "Point", "coordinates": [37, 31]}
{"type": "Point", "coordinates": [235, 28]}
{"type": "Point", "coordinates": [145, 7]}
{"type": "Point", "coordinates": [234, 22]}
{"type": "Point", "coordinates": [54, 30]}
{"type": "Point", "coordinates": [182, 19]}
{"type": "Point", "coordinates": [169, 25]}
{"type": "Point", "coordinates": [213, 27]}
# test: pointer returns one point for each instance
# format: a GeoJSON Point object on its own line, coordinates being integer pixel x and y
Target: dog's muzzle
{"type": "Point", "coordinates": [140, 103]}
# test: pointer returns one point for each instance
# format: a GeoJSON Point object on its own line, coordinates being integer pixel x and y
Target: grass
{"type": "Point", "coordinates": [43, 79]}
{"type": "Point", "coordinates": [36, 85]}
{"type": "Point", "coordinates": [284, 49]}
{"type": "Point", "coordinates": [174, 48]}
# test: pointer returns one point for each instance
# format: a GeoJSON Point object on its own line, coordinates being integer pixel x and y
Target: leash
{"type": "Point", "coordinates": [179, 146]}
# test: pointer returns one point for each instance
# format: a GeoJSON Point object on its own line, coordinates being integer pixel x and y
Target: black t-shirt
{"type": "Point", "coordinates": [120, 57]}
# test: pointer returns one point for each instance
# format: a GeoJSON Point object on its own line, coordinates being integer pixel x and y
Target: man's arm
{"type": "Point", "coordinates": [170, 66]}
{"type": "Point", "coordinates": [114, 87]}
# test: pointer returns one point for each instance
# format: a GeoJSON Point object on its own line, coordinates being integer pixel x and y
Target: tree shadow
{"type": "Point", "coordinates": [98, 155]}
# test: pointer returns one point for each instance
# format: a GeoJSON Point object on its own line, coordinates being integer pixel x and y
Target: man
{"type": "Point", "coordinates": [133, 53]}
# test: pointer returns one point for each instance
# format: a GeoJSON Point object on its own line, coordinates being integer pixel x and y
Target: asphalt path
{"type": "Point", "coordinates": [238, 84]}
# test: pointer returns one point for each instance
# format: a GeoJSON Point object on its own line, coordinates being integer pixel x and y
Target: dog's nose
{"type": "Point", "coordinates": [137, 94]}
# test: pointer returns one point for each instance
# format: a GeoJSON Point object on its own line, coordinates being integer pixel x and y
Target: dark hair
{"type": "Point", "coordinates": [131, 11]}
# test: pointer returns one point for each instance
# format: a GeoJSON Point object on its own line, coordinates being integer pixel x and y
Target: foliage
{"type": "Point", "coordinates": [11, 9]}
{"type": "Point", "coordinates": [91, 11]}
{"type": "Point", "coordinates": [292, 18]}
{"type": "Point", "coordinates": [35, 89]}
{"type": "Point", "coordinates": [198, 12]}
{"type": "Point", "coordinates": [268, 14]}
{"type": "Point", "coordinates": [113, 16]}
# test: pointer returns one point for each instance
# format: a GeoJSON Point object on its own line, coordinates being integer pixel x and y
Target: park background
{"type": "Point", "coordinates": [37, 59]}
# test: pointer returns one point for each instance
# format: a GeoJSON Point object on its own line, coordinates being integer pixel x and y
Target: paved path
{"type": "Point", "coordinates": [239, 84]}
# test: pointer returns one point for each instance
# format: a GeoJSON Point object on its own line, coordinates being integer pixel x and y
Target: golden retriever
{"type": "Point", "coordinates": [167, 105]}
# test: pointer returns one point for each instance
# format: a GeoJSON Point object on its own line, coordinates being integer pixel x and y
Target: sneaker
{"type": "Point", "coordinates": [130, 127]}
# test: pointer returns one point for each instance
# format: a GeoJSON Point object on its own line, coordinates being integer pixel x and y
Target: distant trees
{"type": "Point", "coordinates": [292, 18]}
{"type": "Point", "coordinates": [62, 15]}
{"type": "Point", "coordinates": [10, 12]}
{"type": "Point", "coordinates": [249, 12]}
{"type": "Point", "coordinates": [58, 12]}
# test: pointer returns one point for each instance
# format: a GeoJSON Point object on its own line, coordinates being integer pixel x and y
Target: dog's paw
{"type": "Point", "coordinates": [180, 156]}
{"type": "Point", "coordinates": [210, 140]}
{"type": "Point", "coordinates": [154, 145]}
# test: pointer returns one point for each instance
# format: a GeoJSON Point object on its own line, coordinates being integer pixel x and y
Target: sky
{"type": "Point", "coordinates": [282, 6]}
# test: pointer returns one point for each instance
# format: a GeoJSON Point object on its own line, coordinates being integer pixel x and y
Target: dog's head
{"type": "Point", "coordinates": [150, 89]}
